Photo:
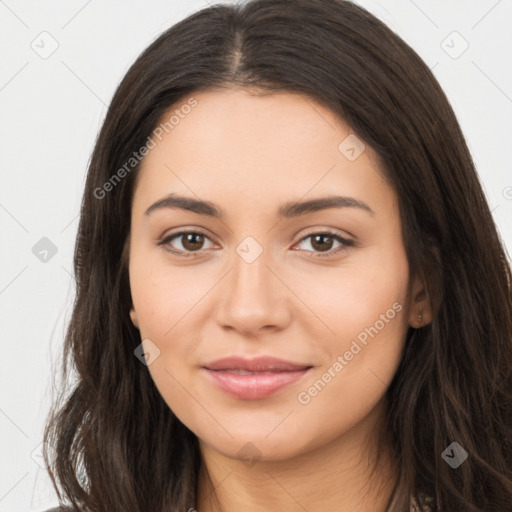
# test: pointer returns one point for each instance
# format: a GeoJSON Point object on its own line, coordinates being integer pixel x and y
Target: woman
{"type": "Point", "coordinates": [291, 294]}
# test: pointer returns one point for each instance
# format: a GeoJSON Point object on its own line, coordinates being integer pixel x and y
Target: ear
{"type": "Point", "coordinates": [420, 310]}
{"type": "Point", "coordinates": [133, 316]}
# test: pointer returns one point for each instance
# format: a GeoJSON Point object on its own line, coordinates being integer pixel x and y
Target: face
{"type": "Point", "coordinates": [323, 286]}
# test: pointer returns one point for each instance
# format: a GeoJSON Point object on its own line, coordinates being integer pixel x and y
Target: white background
{"type": "Point", "coordinates": [51, 111]}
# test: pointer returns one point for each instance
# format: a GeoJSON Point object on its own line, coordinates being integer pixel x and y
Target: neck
{"type": "Point", "coordinates": [342, 475]}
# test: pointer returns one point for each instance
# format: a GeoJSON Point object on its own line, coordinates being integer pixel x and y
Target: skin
{"type": "Point", "coordinates": [249, 155]}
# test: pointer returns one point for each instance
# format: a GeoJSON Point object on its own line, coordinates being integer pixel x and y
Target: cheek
{"type": "Point", "coordinates": [164, 300]}
{"type": "Point", "coordinates": [164, 295]}
{"type": "Point", "coordinates": [368, 290]}
{"type": "Point", "coordinates": [366, 311]}
{"type": "Point", "coordinates": [168, 301]}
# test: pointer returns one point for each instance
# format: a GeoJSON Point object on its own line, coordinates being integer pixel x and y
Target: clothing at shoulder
{"type": "Point", "coordinates": [426, 501]}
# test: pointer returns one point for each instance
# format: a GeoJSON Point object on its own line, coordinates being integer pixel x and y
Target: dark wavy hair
{"type": "Point", "coordinates": [118, 446]}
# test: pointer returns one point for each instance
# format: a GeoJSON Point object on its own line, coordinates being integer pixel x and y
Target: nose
{"type": "Point", "coordinates": [253, 298]}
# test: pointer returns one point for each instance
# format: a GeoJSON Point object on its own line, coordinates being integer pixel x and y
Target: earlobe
{"type": "Point", "coordinates": [420, 310]}
{"type": "Point", "coordinates": [133, 316]}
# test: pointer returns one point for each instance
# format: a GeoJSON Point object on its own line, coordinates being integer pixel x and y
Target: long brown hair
{"type": "Point", "coordinates": [118, 445]}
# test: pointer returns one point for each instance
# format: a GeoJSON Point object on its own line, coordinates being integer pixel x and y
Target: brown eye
{"type": "Point", "coordinates": [323, 242]}
{"type": "Point", "coordinates": [193, 241]}
{"type": "Point", "coordinates": [190, 241]}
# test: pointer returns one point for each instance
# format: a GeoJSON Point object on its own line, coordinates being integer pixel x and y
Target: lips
{"type": "Point", "coordinates": [258, 365]}
{"type": "Point", "coordinates": [252, 379]}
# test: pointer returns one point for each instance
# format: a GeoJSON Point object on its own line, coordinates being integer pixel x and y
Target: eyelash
{"type": "Point", "coordinates": [331, 253]}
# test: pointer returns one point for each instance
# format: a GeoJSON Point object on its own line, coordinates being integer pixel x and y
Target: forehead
{"type": "Point", "coordinates": [265, 148]}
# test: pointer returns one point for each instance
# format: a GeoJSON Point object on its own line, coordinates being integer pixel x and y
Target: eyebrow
{"type": "Point", "coordinates": [287, 210]}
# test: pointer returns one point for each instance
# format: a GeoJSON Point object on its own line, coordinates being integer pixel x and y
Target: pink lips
{"type": "Point", "coordinates": [252, 379]}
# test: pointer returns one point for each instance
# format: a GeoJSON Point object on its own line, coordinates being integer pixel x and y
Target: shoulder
{"type": "Point", "coordinates": [426, 502]}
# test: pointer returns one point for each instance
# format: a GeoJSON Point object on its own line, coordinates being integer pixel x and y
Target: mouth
{"type": "Point", "coordinates": [254, 379]}
{"type": "Point", "coordinates": [237, 371]}
{"type": "Point", "coordinates": [256, 365]}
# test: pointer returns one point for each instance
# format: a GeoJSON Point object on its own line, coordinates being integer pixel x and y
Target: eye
{"type": "Point", "coordinates": [192, 241]}
{"type": "Point", "coordinates": [323, 242]}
